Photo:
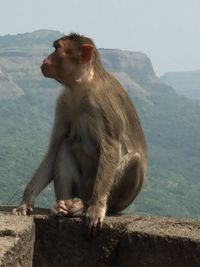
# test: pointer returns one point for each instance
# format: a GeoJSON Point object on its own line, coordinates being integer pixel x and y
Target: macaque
{"type": "Point", "coordinates": [97, 154]}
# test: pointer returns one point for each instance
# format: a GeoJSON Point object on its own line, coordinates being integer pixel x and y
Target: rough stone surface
{"type": "Point", "coordinates": [124, 241]}
{"type": "Point", "coordinates": [135, 241]}
{"type": "Point", "coordinates": [156, 242]}
{"type": "Point", "coordinates": [67, 240]}
{"type": "Point", "coordinates": [16, 241]}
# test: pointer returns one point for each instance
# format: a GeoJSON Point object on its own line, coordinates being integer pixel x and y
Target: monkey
{"type": "Point", "coordinates": [97, 153]}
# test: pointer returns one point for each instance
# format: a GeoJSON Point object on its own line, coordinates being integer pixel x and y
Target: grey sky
{"type": "Point", "coordinates": [168, 31]}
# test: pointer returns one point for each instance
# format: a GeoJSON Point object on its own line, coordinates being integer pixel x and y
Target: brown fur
{"type": "Point", "coordinates": [97, 153]}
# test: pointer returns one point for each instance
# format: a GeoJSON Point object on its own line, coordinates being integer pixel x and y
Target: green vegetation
{"type": "Point", "coordinates": [171, 124]}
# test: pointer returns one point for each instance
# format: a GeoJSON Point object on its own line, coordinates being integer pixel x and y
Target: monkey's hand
{"type": "Point", "coordinates": [71, 207]}
{"type": "Point", "coordinates": [94, 219]}
{"type": "Point", "coordinates": [23, 209]}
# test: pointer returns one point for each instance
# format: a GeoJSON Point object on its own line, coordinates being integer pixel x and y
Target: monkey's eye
{"type": "Point", "coordinates": [56, 46]}
{"type": "Point", "coordinates": [58, 50]}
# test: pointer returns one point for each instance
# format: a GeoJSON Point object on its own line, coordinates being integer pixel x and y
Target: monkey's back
{"type": "Point", "coordinates": [121, 116]}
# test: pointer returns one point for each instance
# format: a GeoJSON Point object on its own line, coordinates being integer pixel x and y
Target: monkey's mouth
{"type": "Point", "coordinates": [46, 71]}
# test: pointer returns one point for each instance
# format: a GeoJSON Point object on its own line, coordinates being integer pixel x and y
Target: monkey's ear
{"type": "Point", "coordinates": [86, 52]}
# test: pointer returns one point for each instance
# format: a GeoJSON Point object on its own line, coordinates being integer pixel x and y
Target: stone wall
{"type": "Point", "coordinates": [17, 236]}
{"type": "Point", "coordinates": [124, 241]}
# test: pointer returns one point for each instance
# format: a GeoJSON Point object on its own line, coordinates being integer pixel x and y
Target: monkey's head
{"type": "Point", "coordinates": [70, 58]}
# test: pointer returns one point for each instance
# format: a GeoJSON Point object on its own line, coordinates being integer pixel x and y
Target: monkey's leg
{"type": "Point", "coordinates": [128, 182]}
{"type": "Point", "coordinates": [74, 207]}
{"type": "Point", "coordinates": [66, 180]}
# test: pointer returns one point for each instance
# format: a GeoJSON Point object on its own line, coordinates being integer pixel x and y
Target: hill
{"type": "Point", "coordinates": [8, 88]}
{"type": "Point", "coordinates": [185, 83]}
{"type": "Point", "coordinates": [171, 123]}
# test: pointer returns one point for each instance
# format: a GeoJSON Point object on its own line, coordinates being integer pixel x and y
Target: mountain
{"type": "Point", "coordinates": [171, 124]}
{"type": "Point", "coordinates": [8, 88]}
{"type": "Point", "coordinates": [185, 83]}
{"type": "Point", "coordinates": [24, 41]}
{"type": "Point", "coordinates": [135, 64]}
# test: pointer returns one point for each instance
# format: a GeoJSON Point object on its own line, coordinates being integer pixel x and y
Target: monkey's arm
{"type": "Point", "coordinates": [109, 157]}
{"type": "Point", "coordinates": [43, 174]}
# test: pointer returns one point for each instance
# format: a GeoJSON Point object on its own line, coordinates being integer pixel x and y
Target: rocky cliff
{"type": "Point", "coordinates": [22, 54]}
{"type": "Point", "coordinates": [135, 64]}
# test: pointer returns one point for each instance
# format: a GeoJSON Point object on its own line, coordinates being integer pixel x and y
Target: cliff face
{"type": "Point", "coordinates": [137, 65]}
{"type": "Point", "coordinates": [22, 54]}
{"type": "Point", "coordinates": [20, 58]}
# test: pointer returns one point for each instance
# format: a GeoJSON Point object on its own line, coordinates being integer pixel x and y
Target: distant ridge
{"type": "Point", "coordinates": [136, 64]}
{"type": "Point", "coordinates": [41, 36]}
{"type": "Point", "coordinates": [185, 83]}
{"type": "Point", "coordinates": [25, 51]}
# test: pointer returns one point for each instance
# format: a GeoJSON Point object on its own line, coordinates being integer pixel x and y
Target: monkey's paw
{"type": "Point", "coordinates": [71, 207]}
{"type": "Point", "coordinates": [94, 219]}
{"type": "Point", "coordinates": [23, 209]}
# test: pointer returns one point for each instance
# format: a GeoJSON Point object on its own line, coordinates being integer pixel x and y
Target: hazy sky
{"type": "Point", "coordinates": [168, 31]}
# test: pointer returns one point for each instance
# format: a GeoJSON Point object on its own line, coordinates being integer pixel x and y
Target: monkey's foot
{"type": "Point", "coordinates": [94, 219]}
{"type": "Point", "coordinates": [23, 210]}
{"type": "Point", "coordinates": [71, 207]}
